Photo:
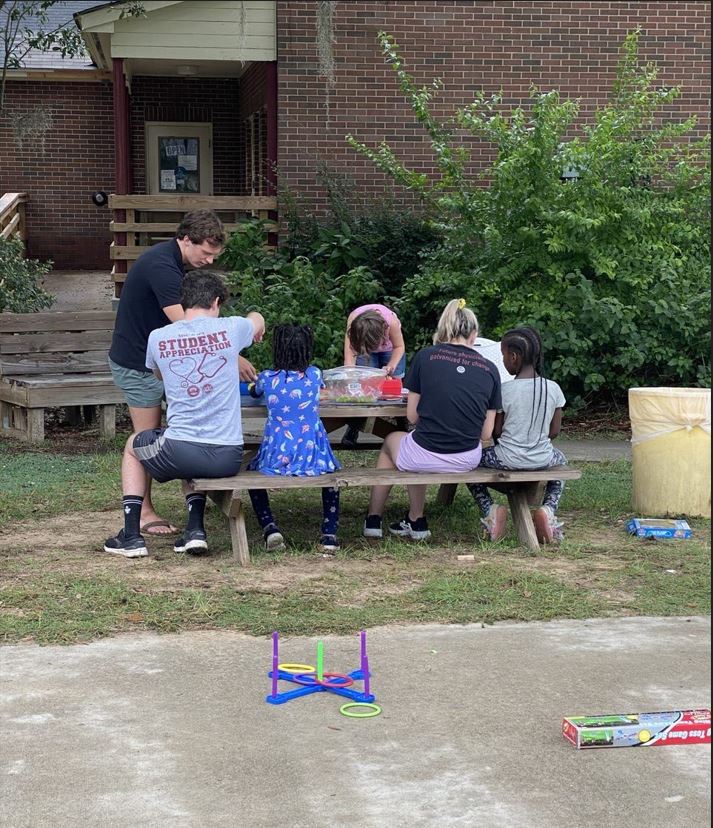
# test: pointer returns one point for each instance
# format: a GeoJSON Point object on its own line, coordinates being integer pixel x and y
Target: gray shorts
{"type": "Point", "coordinates": [142, 389]}
{"type": "Point", "coordinates": [166, 459]}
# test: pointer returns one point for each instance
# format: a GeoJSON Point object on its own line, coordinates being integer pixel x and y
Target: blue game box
{"type": "Point", "coordinates": [655, 528]}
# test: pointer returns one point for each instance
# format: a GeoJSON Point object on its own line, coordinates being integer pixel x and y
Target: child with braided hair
{"type": "Point", "coordinates": [295, 441]}
{"type": "Point", "coordinates": [530, 418]}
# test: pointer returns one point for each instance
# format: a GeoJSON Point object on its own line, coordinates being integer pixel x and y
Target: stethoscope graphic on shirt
{"type": "Point", "coordinates": [193, 373]}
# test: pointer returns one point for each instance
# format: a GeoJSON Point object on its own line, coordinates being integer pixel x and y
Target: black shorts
{"type": "Point", "coordinates": [167, 459]}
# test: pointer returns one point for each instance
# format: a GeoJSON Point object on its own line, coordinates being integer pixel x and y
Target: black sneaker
{"type": "Point", "coordinates": [128, 547]}
{"type": "Point", "coordinates": [372, 527]}
{"type": "Point", "coordinates": [273, 538]}
{"type": "Point", "coordinates": [414, 529]}
{"type": "Point", "coordinates": [351, 436]}
{"type": "Point", "coordinates": [192, 541]}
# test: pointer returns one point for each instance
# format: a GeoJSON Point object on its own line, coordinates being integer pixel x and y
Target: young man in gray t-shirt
{"type": "Point", "coordinates": [197, 359]}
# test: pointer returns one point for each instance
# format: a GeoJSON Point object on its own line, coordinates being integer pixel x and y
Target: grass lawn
{"type": "Point", "coordinates": [60, 501]}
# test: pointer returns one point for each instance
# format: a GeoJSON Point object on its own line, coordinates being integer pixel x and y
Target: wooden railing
{"type": "Point", "coordinates": [142, 220]}
{"type": "Point", "coordinates": [12, 216]}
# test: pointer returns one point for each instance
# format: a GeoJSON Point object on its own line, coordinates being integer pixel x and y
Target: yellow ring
{"type": "Point", "coordinates": [295, 668]}
{"type": "Point", "coordinates": [368, 708]}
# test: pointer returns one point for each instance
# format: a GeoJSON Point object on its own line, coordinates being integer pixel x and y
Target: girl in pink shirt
{"type": "Point", "coordinates": [373, 339]}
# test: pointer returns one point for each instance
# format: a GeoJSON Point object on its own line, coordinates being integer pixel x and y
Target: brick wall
{"type": "Point", "coordinates": [209, 100]}
{"type": "Point", "coordinates": [570, 45]}
{"type": "Point", "coordinates": [76, 160]}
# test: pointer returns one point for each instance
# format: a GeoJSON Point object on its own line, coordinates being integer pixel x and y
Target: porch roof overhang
{"type": "Point", "coordinates": [174, 38]}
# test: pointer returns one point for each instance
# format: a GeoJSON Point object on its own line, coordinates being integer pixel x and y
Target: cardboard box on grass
{"type": "Point", "coordinates": [658, 528]}
{"type": "Point", "coordinates": [672, 727]}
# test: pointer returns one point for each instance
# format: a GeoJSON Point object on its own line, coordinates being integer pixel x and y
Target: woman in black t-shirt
{"type": "Point", "coordinates": [453, 396]}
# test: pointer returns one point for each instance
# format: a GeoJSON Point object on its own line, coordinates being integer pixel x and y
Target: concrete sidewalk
{"type": "Point", "coordinates": [174, 731]}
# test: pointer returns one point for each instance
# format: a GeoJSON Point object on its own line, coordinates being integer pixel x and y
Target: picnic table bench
{"type": "Point", "coordinates": [519, 486]}
{"type": "Point", "coordinates": [55, 360]}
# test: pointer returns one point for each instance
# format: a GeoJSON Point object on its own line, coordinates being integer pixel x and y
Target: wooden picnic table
{"type": "Point", "coordinates": [380, 419]}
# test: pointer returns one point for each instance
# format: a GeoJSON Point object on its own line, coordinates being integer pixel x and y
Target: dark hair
{"type": "Point", "coordinates": [200, 288]}
{"type": "Point", "coordinates": [202, 226]}
{"type": "Point", "coordinates": [292, 347]}
{"type": "Point", "coordinates": [367, 331]}
{"type": "Point", "coordinates": [527, 344]}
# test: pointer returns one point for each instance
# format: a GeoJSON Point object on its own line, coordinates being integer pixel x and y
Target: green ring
{"type": "Point", "coordinates": [374, 710]}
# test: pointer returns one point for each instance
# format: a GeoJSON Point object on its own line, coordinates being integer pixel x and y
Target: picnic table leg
{"type": "Point", "coordinates": [519, 499]}
{"type": "Point", "coordinates": [233, 509]}
{"type": "Point", "coordinates": [107, 422]}
{"type": "Point", "coordinates": [36, 425]}
{"type": "Point", "coordinates": [537, 494]}
{"type": "Point", "coordinates": [5, 416]}
{"type": "Point", "coordinates": [446, 494]}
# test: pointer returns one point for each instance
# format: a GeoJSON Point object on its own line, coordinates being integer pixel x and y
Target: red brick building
{"type": "Point", "coordinates": [285, 81]}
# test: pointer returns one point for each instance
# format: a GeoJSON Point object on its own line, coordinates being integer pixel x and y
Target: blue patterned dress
{"type": "Point", "coordinates": [295, 442]}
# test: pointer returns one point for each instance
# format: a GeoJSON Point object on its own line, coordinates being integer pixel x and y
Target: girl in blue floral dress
{"type": "Point", "coordinates": [295, 441]}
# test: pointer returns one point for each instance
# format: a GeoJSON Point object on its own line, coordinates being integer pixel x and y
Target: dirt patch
{"type": "Point", "coordinates": [71, 546]}
{"type": "Point", "coordinates": [75, 532]}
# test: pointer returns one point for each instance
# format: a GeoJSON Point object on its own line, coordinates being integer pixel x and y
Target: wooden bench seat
{"type": "Point", "coordinates": [519, 486]}
{"type": "Point", "coordinates": [50, 360]}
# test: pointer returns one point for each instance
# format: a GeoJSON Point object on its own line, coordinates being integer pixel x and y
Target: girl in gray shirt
{"type": "Point", "coordinates": [530, 418]}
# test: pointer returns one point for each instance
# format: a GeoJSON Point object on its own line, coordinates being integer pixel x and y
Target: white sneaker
{"type": "Point", "coordinates": [274, 541]}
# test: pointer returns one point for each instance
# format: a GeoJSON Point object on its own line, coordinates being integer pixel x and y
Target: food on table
{"type": "Point", "coordinates": [346, 398]}
{"type": "Point", "coordinates": [353, 384]}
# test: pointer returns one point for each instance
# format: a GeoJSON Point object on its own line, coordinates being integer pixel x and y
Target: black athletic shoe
{"type": "Point", "coordinates": [128, 547]}
{"type": "Point", "coordinates": [414, 529]}
{"type": "Point", "coordinates": [192, 541]}
{"type": "Point", "coordinates": [372, 527]}
{"type": "Point", "coordinates": [351, 436]}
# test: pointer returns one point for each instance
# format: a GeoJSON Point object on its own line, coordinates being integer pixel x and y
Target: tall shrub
{"type": "Point", "coordinates": [596, 233]}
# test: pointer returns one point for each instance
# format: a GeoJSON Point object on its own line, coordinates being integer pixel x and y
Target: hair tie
{"type": "Point", "coordinates": [461, 304]}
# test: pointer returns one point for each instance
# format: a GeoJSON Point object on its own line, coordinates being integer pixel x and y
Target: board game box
{"type": "Point", "coordinates": [656, 528]}
{"type": "Point", "coordinates": [672, 727]}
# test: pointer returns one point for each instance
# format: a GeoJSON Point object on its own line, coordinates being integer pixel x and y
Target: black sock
{"type": "Point", "coordinates": [195, 503]}
{"type": "Point", "coordinates": [132, 515]}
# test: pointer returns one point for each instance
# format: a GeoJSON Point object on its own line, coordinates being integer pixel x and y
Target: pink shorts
{"type": "Point", "coordinates": [416, 459]}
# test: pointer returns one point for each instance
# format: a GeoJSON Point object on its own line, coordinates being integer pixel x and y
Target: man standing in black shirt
{"type": "Point", "coordinates": [150, 299]}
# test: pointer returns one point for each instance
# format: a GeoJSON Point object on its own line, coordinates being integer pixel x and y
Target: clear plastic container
{"type": "Point", "coordinates": [353, 384]}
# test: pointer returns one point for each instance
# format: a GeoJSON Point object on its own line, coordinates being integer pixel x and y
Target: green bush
{"type": "Point", "coordinates": [323, 270]}
{"type": "Point", "coordinates": [597, 234]}
{"type": "Point", "coordinates": [296, 291]}
{"type": "Point", "coordinates": [355, 231]}
{"type": "Point", "coordinates": [21, 279]}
